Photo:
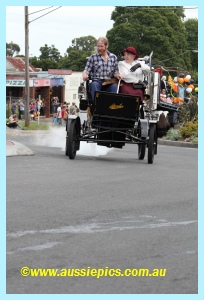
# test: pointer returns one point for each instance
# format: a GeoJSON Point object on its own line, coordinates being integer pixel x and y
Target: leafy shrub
{"type": "Point", "coordinates": [195, 140]}
{"type": "Point", "coordinates": [189, 111]}
{"type": "Point", "coordinates": [173, 135]}
{"type": "Point", "coordinates": [189, 129]}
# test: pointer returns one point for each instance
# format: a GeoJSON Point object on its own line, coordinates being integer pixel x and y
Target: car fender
{"type": "Point", "coordinates": [143, 123]}
{"type": "Point", "coordinates": [73, 119]}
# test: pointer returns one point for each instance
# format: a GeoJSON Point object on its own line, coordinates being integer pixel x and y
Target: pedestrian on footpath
{"type": "Point", "coordinates": [64, 115]}
{"type": "Point", "coordinates": [21, 109]}
{"type": "Point", "coordinates": [13, 107]}
{"type": "Point", "coordinates": [59, 114]}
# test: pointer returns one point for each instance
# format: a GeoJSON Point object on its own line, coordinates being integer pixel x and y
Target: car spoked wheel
{"type": "Point", "coordinates": [142, 150]}
{"type": "Point", "coordinates": [71, 141]}
{"type": "Point", "coordinates": [66, 146]}
{"type": "Point", "coordinates": [152, 143]}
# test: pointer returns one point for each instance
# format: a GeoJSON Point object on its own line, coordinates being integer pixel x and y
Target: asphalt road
{"type": "Point", "coordinates": [109, 211]}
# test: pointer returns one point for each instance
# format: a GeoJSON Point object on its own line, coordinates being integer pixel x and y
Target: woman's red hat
{"type": "Point", "coordinates": [131, 50]}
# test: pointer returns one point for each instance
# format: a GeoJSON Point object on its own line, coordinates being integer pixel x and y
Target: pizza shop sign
{"type": "Point", "coordinates": [32, 82]}
{"type": "Point", "coordinates": [18, 82]}
{"type": "Point", "coordinates": [15, 82]}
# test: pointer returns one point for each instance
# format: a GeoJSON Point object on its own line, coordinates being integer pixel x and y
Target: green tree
{"type": "Point", "coordinates": [84, 43]}
{"type": "Point", "coordinates": [146, 28]}
{"type": "Point", "coordinates": [45, 64]}
{"type": "Point", "coordinates": [191, 26]}
{"type": "Point", "coordinates": [75, 60]}
{"type": "Point", "coordinates": [12, 48]}
{"type": "Point", "coordinates": [77, 54]}
{"type": "Point", "coordinates": [50, 53]}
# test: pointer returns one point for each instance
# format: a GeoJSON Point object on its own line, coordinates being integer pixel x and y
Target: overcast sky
{"type": "Point", "coordinates": [61, 25]}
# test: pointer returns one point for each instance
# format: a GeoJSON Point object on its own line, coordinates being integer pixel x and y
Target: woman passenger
{"type": "Point", "coordinates": [132, 72]}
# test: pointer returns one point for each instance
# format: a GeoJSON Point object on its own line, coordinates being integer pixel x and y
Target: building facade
{"type": "Point", "coordinates": [42, 84]}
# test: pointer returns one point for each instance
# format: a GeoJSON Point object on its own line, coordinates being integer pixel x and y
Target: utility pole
{"type": "Point", "coordinates": [27, 87]}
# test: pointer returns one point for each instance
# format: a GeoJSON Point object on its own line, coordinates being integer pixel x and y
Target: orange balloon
{"type": "Point", "coordinates": [175, 88]}
{"type": "Point", "coordinates": [186, 79]}
{"type": "Point", "coordinates": [181, 80]}
{"type": "Point", "coordinates": [191, 86]}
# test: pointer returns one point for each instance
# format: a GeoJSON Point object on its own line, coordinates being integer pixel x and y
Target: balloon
{"type": "Point", "coordinates": [191, 86]}
{"type": "Point", "coordinates": [186, 79]}
{"type": "Point", "coordinates": [170, 81]}
{"type": "Point", "coordinates": [196, 89]}
{"type": "Point", "coordinates": [181, 75]}
{"type": "Point", "coordinates": [175, 79]}
{"type": "Point", "coordinates": [189, 90]}
{"type": "Point", "coordinates": [177, 100]}
{"type": "Point", "coordinates": [188, 83]}
{"type": "Point", "coordinates": [175, 88]}
{"type": "Point", "coordinates": [191, 81]}
{"type": "Point", "coordinates": [180, 80]}
{"type": "Point", "coordinates": [188, 76]}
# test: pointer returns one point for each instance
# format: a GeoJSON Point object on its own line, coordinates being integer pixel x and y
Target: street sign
{"type": "Point", "coordinates": [59, 72]}
{"type": "Point", "coordinates": [41, 82]}
{"type": "Point", "coordinates": [56, 81]}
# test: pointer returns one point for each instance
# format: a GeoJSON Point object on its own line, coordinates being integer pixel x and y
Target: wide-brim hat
{"type": "Point", "coordinates": [131, 50]}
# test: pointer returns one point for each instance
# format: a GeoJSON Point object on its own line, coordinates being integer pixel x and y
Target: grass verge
{"type": "Point", "coordinates": [34, 125]}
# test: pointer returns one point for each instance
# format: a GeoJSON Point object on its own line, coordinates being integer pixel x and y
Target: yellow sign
{"type": "Point", "coordinates": [115, 106]}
